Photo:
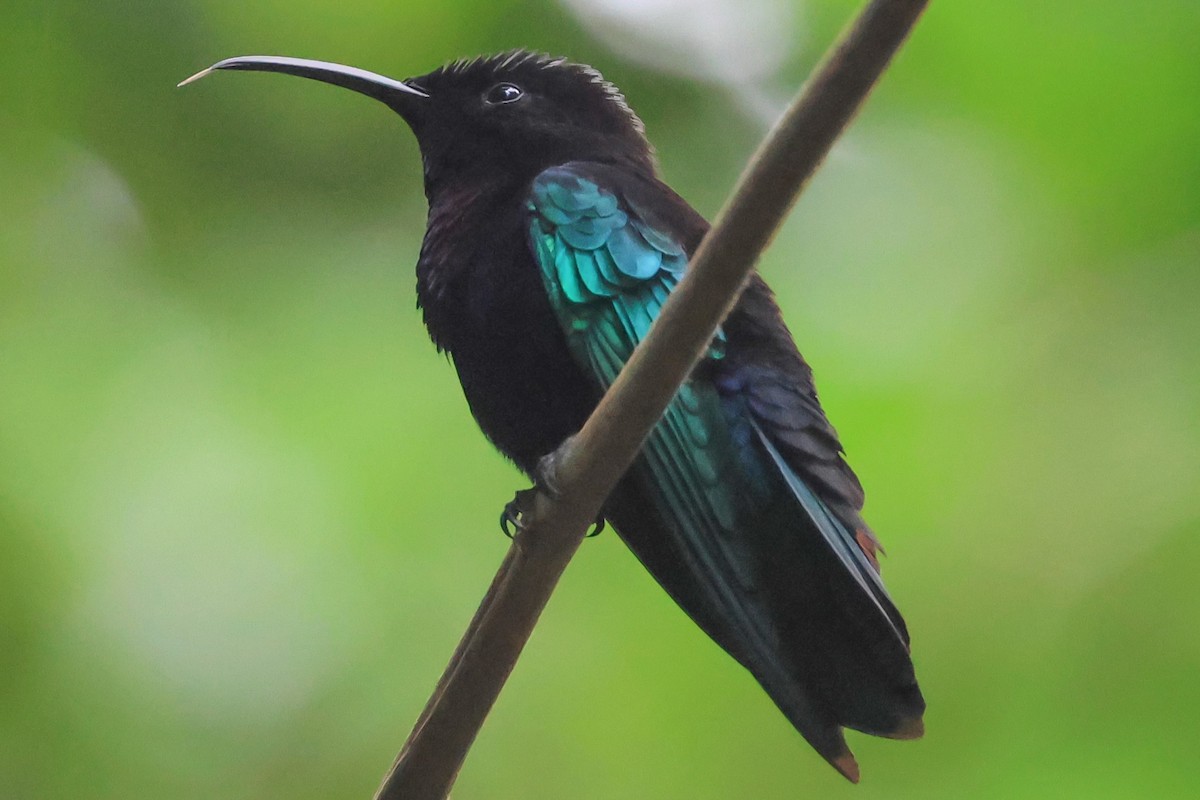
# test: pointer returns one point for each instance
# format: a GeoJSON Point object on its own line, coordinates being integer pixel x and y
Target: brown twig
{"type": "Point", "coordinates": [591, 463]}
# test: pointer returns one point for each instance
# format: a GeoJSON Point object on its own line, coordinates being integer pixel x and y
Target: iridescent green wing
{"type": "Point", "coordinates": [608, 271]}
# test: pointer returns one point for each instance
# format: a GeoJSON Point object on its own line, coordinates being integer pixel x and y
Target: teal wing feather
{"type": "Point", "coordinates": [608, 274]}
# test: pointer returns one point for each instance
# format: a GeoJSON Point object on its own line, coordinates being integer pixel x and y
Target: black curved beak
{"type": "Point", "coordinates": [398, 95]}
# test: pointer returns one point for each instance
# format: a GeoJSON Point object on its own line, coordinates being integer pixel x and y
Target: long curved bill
{"type": "Point", "coordinates": [372, 84]}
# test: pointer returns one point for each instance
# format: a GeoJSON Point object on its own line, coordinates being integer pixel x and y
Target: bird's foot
{"type": "Point", "coordinates": [517, 510]}
{"type": "Point", "coordinates": [547, 479]}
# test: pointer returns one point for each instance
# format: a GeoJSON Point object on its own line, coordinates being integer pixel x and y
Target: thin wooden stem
{"type": "Point", "coordinates": [590, 463]}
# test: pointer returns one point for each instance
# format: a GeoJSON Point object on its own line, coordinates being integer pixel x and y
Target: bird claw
{"type": "Point", "coordinates": [545, 481]}
{"type": "Point", "coordinates": [511, 518]}
{"type": "Point", "coordinates": [514, 510]}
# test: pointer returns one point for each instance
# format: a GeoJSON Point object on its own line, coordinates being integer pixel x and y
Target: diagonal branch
{"type": "Point", "coordinates": [590, 463]}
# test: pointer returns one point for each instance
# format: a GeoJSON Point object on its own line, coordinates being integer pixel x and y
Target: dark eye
{"type": "Point", "coordinates": [503, 93]}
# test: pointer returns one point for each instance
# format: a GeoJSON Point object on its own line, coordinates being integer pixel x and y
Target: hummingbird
{"type": "Point", "coordinates": [551, 245]}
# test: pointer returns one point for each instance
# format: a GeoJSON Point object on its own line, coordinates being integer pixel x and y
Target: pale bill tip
{"type": "Point", "coordinates": [194, 78]}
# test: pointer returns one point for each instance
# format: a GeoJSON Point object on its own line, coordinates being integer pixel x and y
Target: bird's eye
{"type": "Point", "coordinates": [503, 93]}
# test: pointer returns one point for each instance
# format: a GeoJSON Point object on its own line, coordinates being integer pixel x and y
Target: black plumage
{"type": "Point", "coordinates": [551, 243]}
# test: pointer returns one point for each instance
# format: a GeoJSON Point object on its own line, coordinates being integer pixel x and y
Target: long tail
{"type": "Point", "coordinates": [829, 659]}
{"type": "Point", "coordinates": [843, 635]}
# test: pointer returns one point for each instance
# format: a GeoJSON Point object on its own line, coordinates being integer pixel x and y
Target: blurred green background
{"type": "Point", "coordinates": [245, 514]}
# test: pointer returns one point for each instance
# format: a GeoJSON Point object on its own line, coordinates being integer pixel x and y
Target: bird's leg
{"type": "Point", "coordinates": [545, 480]}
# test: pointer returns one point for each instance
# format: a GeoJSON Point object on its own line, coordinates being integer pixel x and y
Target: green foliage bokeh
{"type": "Point", "coordinates": [245, 514]}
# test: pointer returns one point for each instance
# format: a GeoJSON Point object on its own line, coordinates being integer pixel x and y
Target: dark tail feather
{"type": "Point", "coordinates": [839, 627]}
{"type": "Point", "coordinates": [815, 723]}
{"type": "Point", "coordinates": [637, 520]}
{"type": "Point", "coordinates": [839, 655]}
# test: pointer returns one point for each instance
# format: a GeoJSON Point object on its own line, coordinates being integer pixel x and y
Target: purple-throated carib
{"type": "Point", "coordinates": [550, 248]}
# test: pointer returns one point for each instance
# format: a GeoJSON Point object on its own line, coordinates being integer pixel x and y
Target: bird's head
{"type": "Point", "coordinates": [504, 117]}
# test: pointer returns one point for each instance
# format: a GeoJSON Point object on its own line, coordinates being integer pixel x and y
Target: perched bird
{"type": "Point", "coordinates": [551, 246]}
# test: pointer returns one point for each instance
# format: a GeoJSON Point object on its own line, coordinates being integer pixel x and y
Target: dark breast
{"type": "Point", "coordinates": [484, 304]}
